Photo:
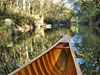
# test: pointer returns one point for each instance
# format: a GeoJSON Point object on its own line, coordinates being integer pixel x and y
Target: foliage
{"type": "Point", "coordinates": [58, 14]}
{"type": "Point", "coordinates": [87, 11]}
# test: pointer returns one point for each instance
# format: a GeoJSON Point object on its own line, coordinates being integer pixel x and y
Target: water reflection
{"type": "Point", "coordinates": [18, 50]}
{"type": "Point", "coordinates": [81, 61]}
{"type": "Point", "coordinates": [76, 42]}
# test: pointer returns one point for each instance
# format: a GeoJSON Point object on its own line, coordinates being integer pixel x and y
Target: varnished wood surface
{"type": "Point", "coordinates": [58, 60]}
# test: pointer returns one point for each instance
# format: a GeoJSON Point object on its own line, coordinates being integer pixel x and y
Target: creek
{"type": "Point", "coordinates": [16, 51]}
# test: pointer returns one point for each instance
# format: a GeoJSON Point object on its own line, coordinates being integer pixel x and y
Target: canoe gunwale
{"type": "Point", "coordinates": [78, 70]}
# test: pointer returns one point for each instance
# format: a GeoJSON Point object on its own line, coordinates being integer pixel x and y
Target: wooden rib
{"type": "Point", "coordinates": [69, 69]}
{"type": "Point", "coordinates": [22, 72]}
{"type": "Point", "coordinates": [19, 73]}
{"type": "Point", "coordinates": [74, 72]}
{"type": "Point", "coordinates": [34, 66]}
{"type": "Point", "coordinates": [46, 65]}
{"type": "Point", "coordinates": [38, 68]}
{"type": "Point", "coordinates": [70, 66]}
{"type": "Point", "coordinates": [43, 67]}
{"type": "Point", "coordinates": [52, 71]}
{"type": "Point", "coordinates": [72, 69]}
{"type": "Point", "coordinates": [26, 71]}
{"type": "Point", "coordinates": [60, 70]}
{"type": "Point", "coordinates": [16, 74]}
{"type": "Point", "coordinates": [29, 70]}
{"type": "Point", "coordinates": [32, 69]}
{"type": "Point", "coordinates": [53, 62]}
{"type": "Point", "coordinates": [52, 65]}
{"type": "Point", "coordinates": [56, 66]}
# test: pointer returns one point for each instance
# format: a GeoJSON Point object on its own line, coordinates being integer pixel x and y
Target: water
{"type": "Point", "coordinates": [86, 45]}
{"type": "Point", "coordinates": [77, 39]}
{"type": "Point", "coordinates": [18, 50]}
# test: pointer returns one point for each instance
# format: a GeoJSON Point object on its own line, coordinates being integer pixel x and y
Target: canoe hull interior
{"type": "Point", "coordinates": [57, 61]}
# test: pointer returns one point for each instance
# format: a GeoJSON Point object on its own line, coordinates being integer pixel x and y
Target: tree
{"type": "Point", "coordinates": [87, 10]}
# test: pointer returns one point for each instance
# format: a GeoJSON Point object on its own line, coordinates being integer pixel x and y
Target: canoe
{"type": "Point", "coordinates": [60, 59]}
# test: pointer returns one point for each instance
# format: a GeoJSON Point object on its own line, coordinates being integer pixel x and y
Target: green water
{"type": "Point", "coordinates": [18, 50]}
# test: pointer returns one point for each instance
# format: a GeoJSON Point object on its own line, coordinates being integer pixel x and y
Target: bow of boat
{"type": "Point", "coordinates": [58, 60]}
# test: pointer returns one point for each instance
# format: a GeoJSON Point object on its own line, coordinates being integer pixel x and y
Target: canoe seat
{"type": "Point", "coordinates": [65, 48]}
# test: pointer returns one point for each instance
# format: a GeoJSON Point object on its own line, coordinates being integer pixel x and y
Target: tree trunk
{"type": "Point", "coordinates": [41, 13]}
{"type": "Point", "coordinates": [42, 19]}
{"type": "Point", "coordinates": [29, 8]}
{"type": "Point", "coordinates": [0, 6]}
{"type": "Point", "coordinates": [32, 11]}
{"type": "Point", "coordinates": [17, 3]}
{"type": "Point", "coordinates": [5, 7]}
{"type": "Point", "coordinates": [24, 8]}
